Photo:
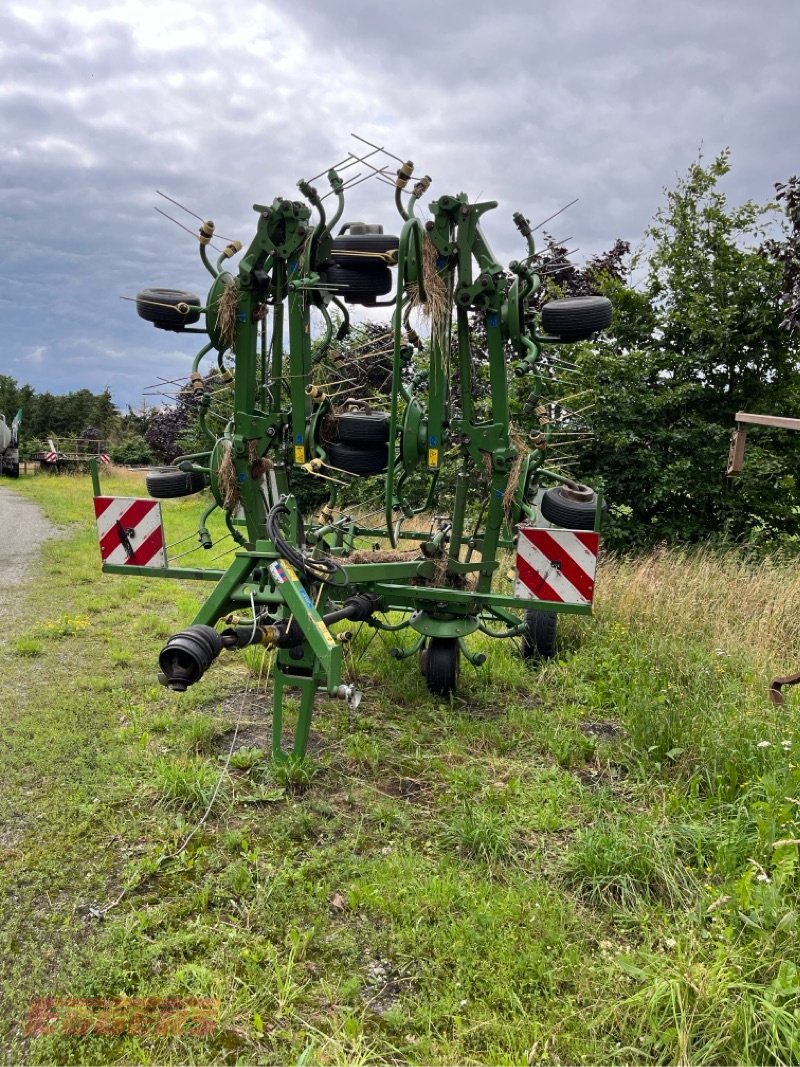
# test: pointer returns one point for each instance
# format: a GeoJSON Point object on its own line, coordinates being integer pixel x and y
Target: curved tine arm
{"type": "Point", "coordinates": [409, 251]}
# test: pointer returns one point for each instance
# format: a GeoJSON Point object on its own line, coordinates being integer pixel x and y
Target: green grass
{"type": "Point", "coordinates": [596, 861]}
{"type": "Point", "coordinates": [28, 646]}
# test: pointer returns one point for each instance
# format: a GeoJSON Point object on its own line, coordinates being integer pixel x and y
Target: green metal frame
{"type": "Point", "coordinates": [278, 414]}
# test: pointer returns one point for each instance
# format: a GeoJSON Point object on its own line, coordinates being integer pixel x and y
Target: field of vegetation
{"type": "Point", "coordinates": [595, 861]}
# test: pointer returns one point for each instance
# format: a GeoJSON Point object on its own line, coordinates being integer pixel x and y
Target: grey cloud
{"type": "Point", "coordinates": [527, 105]}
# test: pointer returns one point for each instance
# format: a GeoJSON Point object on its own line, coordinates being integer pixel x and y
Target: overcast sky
{"type": "Point", "coordinates": [225, 105]}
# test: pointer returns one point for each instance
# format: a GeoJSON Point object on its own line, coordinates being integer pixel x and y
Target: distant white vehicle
{"type": "Point", "coordinates": [9, 445]}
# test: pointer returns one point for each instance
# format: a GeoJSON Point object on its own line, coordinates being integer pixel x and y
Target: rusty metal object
{"type": "Point", "coordinates": [735, 462]}
{"type": "Point", "coordinates": [581, 494]}
{"type": "Point", "coordinates": [736, 454]}
{"type": "Point", "coordinates": [775, 688]}
{"type": "Point", "coordinates": [781, 422]}
{"type": "Point", "coordinates": [739, 435]}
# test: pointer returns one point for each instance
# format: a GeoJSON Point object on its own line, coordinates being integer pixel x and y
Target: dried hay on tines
{"type": "Point", "coordinates": [380, 555]}
{"type": "Point", "coordinates": [329, 428]}
{"type": "Point", "coordinates": [258, 465]}
{"type": "Point", "coordinates": [443, 580]}
{"type": "Point", "coordinates": [436, 307]}
{"type": "Point", "coordinates": [227, 310]}
{"type": "Point", "coordinates": [228, 481]}
{"type": "Point", "coordinates": [513, 478]}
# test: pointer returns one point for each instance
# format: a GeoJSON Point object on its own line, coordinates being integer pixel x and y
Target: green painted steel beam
{"type": "Point", "coordinates": [219, 602]}
{"type": "Point", "coordinates": [194, 574]}
{"type": "Point", "coordinates": [358, 573]}
{"type": "Point", "coordinates": [431, 626]}
{"type": "Point", "coordinates": [323, 644]}
{"type": "Point", "coordinates": [401, 598]}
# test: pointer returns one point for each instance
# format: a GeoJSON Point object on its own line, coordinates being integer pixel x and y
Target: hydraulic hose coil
{"type": "Point", "coordinates": [324, 570]}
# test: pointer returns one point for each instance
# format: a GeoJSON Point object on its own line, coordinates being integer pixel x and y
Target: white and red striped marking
{"type": "Point", "coordinates": [104, 457]}
{"type": "Point", "coordinates": [139, 520]}
{"type": "Point", "coordinates": [556, 565]}
{"type": "Point", "coordinates": [51, 457]}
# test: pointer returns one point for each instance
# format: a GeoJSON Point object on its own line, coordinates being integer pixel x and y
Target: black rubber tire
{"type": "Point", "coordinates": [539, 639]}
{"type": "Point", "coordinates": [164, 485]}
{"type": "Point", "coordinates": [150, 307]}
{"type": "Point", "coordinates": [363, 242]}
{"type": "Point", "coordinates": [358, 286]}
{"type": "Point", "coordinates": [355, 460]}
{"type": "Point", "coordinates": [576, 318]}
{"type": "Point", "coordinates": [442, 660]}
{"type": "Point", "coordinates": [570, 514]}
{"type": "Point", "coordinates": [370, 426]}
{"type": "Point", "coordinates": [13, 470]}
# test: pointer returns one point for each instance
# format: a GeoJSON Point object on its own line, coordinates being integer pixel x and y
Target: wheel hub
{"type": "Point", "coordinates": [578, 492]}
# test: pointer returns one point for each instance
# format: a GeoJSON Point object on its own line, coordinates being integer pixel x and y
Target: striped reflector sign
{"type": "Point", "coordinates": [556, 565]}
{"type": "Point", "coordinates": [104, 457]}
{"type": "Point", "coordinates": [131, 531]}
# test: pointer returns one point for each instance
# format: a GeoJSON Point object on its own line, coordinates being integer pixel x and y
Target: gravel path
{"type": "Point", "coordinates": [23, 528]}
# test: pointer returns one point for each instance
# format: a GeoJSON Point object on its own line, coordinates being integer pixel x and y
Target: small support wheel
{"type": "Point", "coordinates": [572, 508]}
{"type": "Point", "coordinates": [368, 458]}
{"type": "Point", "coordinates": [576, 318]}
{"type": "Point", "coordinates": [359, 427]}
{"type": "Point", "coordinates": [164, 485]}
{"type": "Point", "coordinates": [440, 664]}
{"type": "Point", "coordinates": [539, 638]}
{"type": "Point", "coordinates": [358, 286]}
{"type": "Point", "coordinates": [168, 309]}
{"type": "Point", "coordinates": [364, 251]}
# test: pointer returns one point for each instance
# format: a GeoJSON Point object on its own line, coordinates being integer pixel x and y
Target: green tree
{"type": "Point", "coordinates": [786, 250]}
{"type": "Point", "coordinates": [75, 412]}
{"type": "Point", "coordinates": [717, 296]}
{"type": "Point", "coordinates": [105, 415]}
{"type": "Point", "coordinates": [700, 341]}
{"type": "Point", "coordinates": [9, 396]}
{"type": "Point", "coordinates": [65, 416]}
{"type": "Point", "coordinates": [43, 421]}
{"type": "Point", "coordinates": [134, 423]}
{"type": "Point", "coordinates": [133, 451]}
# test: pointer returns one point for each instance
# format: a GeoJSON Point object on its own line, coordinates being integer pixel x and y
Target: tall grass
{"type": "Point", "coordinates": [593, 861]}
{"type": "Point", "coordinates": [722, 599]}
{"type": "Point", "coordinates": [690, 1012]}
{"type": "Point", "coordinates": [682, 650]}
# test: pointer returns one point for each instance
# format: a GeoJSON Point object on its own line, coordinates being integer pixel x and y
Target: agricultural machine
{"type": "Point", "coordinates": [73, 454]}
{"type": "Point", "coordinates": [463, 496]}
{"type": "Point", "coordinates": [9, 445]}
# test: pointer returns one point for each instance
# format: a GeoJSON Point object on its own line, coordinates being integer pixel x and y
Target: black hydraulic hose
{"type": "Point", "coordinates": [325, 569]}
{"type": "Point", "coordinates": [337, 616]}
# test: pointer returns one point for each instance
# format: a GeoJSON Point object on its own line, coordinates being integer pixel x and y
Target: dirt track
{"type": "Point", "coordinates": [23, 528]}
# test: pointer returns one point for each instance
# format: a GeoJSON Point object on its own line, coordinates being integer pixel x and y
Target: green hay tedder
{"type": "Point", "coordinates": [459, 492]}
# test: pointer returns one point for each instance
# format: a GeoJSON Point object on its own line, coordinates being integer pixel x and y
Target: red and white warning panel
{"type": "Point", "coordinates": [556, 565]}
{"type": "Point", "coordinates": [131, 531]}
